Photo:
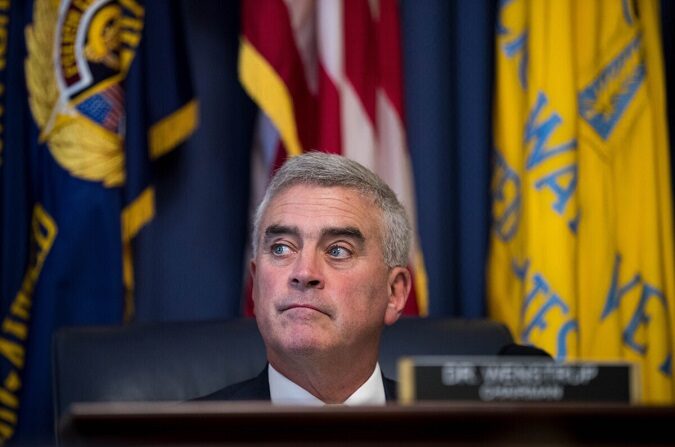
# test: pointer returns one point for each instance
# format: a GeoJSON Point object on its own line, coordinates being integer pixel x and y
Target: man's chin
{"type": "Point", "coordinates": [301, 343]}
{"type": "Point", "coordinates": [301, 333]}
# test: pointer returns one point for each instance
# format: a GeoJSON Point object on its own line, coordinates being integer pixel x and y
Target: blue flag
{"type": "Point", "coordinates": [97, 92]}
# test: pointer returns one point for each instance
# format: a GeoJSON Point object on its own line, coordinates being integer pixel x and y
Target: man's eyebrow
{"type": "Point", "coordinates": [276, 230]}
{"type": "Point", "coordinates": [350, 232]}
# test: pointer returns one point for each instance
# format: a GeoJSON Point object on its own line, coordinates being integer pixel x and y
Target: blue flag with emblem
{"type": "Point", "coordinates": [581, 258]}
{"type": "Point", "coordinates": [97, 92]}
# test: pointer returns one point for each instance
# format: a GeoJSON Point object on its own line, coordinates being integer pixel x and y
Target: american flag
{"type": "Point", "coordinates": [106, 107]}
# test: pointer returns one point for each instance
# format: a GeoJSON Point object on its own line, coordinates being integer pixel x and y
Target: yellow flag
{"type": "Point", "coordinates": [581, 252]}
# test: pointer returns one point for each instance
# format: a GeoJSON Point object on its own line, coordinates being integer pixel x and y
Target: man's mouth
{"type": "Point", "coordinates": [293, 306]}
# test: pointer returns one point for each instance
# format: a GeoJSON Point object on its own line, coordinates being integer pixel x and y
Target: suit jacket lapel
{"type": "Point", "coordinates": [389, 389]}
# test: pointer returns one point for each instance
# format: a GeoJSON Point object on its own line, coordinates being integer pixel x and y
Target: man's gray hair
{"type": "Point", "coordinates": [329, 170]}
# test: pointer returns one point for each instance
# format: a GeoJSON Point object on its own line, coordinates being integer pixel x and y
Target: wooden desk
{"type": "Point", "coordinates": [254, 424]}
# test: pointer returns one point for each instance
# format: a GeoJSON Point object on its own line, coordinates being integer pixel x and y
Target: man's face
{"type": "Point", "coordinates": [320, 284]}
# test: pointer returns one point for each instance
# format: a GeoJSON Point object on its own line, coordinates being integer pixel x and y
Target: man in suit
{"type": "Point", "coordinates": [330, 249]}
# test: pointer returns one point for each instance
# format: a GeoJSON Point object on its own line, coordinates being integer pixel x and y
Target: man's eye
{"type": "Point", "coordinates": [337, 251]}
{"type": "Point", "coordinates": [280, 249]}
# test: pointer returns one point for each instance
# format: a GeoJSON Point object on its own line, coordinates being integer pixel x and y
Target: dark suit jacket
{"type": "Point", "coordinates": [258, 388]}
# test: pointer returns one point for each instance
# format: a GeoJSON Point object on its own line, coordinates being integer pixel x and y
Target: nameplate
{"type": "Point", "coordinates": [485, 379]}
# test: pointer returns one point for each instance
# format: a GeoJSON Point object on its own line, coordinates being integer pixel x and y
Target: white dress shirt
{"type": "Point", "coordinates": [285, 392]}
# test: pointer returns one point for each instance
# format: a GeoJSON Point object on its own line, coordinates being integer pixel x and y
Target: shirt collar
{"type": "Point", "coordinates": [285, 392]}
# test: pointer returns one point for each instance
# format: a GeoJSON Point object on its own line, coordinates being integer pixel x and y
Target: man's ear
{"type": "Point", "coordinates": [399, 282]}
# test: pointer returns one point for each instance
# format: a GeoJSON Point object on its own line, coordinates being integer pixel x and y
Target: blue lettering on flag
{"type": "Point", "coordinates": [540, 286]}
{"type": "Point", "coordinates": [541, 132]}
{"type": "Point", "coordinates": [603, 102]}
{"type": "Point", "coordinates": [640, 318]}
{"type": "Point", "coordinates": [514, 47]}
{"type": "Point", "coordinates": [501, 28]}
{"type": "Point", "coordinates": [617, 292]}
{"type": "Point", "coordinates": [506, 196]}
{"type": "Point", "coordinates": [563, 193]}
{"type": "Point", "coordinates": [539, 319]}
{"type": "Point", "coordinates": [551, 301]}
{"type": "Point", "coordinates": [562, 338]}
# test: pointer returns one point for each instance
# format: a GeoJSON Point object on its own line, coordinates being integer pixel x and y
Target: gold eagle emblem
{"type": "Point", "coordinates": [77, 104]}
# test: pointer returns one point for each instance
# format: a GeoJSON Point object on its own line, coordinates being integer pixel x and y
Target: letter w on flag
{"type": "Point", "coordinates": [327, 76]}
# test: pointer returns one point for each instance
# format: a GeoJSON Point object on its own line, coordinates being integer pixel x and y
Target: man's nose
{"type": "Point", "coordinates": [307, 271]}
